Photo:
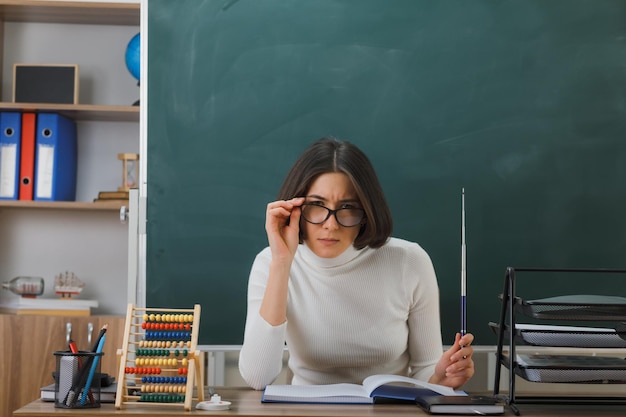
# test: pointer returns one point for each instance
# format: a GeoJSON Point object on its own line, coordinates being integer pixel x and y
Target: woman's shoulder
{"type": "Point", "coordinates": [403, 244]}
{"type": "Point", "coordinates": [264, 256]}
{"type": "Point", "coordinates": [266, 251]}
{"type": "Point", "coordinates": [398, 247]}
{"type": "Point", "coordinates": [410, 260]}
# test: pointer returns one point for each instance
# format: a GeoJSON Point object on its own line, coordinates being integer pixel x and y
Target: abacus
{"type": "Point", "coordinates": [159, 362]}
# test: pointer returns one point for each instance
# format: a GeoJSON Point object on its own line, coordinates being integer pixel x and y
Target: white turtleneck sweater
{"type": "Point", "coordinates": [365, 312]}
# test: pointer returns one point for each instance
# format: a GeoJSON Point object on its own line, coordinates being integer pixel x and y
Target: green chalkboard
{"type": "Point", "coordinates": [522, 103]}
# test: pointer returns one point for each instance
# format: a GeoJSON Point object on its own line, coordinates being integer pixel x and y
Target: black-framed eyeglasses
{"type": "Point", "coordinates": [345, 216]}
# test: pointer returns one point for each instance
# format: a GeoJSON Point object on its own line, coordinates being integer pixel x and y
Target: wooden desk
{"type": "Point", "coordinates": [246, 402]}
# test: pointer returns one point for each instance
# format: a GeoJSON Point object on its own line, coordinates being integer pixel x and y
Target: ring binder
{"type": "Point", "coordinates": [10, 140]}
{"type": "Point", "coordinates": [55, 158]}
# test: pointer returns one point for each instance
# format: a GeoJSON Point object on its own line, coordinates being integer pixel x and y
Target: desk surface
{"type": "Point", "coordinates": [246, 402]}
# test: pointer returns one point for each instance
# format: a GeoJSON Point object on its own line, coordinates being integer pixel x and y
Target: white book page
{"type": "Point", "coordinates": [316, 391]}
{"type": "Point", "coordinates": [372, 382]}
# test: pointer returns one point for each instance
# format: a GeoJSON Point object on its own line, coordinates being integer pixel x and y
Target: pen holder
{"type": "Point", "coordinates": [78, 379]}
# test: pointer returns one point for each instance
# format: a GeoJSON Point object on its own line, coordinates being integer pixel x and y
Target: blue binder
{"type": "Point", "coordinates": [55, 158]}
{"type": "Point", "coordinates": [10, 140]}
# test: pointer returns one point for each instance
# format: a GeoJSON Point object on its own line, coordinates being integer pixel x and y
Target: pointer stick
{"type": "Point", "coordinates": [463, 266]}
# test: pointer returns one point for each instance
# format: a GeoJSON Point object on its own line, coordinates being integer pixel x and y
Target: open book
{"type": "Point", "coordinates": [375, 388]}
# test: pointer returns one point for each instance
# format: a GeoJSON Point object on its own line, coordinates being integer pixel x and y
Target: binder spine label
{"type": "Point", "coordinates": [45, 170]}
{"type": "Point", "coordinates": [8, 156]}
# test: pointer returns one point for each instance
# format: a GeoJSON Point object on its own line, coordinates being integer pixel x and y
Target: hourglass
{"type": "Point", "coordinates": [130, 170]}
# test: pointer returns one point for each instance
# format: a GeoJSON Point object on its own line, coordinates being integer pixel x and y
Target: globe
{"type": "Point", "coordinates": [132, 56]}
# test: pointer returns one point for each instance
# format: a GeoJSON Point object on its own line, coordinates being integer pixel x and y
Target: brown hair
{"type": "Point", "coordinates": [332, 155]}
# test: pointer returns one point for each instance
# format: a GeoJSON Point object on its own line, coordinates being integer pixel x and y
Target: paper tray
{"type": "Point", "coordinates": [571, 369]}
{"type": "Point", "coordinates": [565, 336]}
{"type": "Point", "coordinates": [574, 307]}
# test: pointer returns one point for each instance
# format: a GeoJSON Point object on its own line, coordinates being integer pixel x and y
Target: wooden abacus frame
{"type": "Point", "coordinates": [134, 330]}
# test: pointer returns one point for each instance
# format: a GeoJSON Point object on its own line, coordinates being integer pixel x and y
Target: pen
{"type": "Point", "coordinates": [463, 268]}
{"type": "Point", "coordinates": [94, 366]}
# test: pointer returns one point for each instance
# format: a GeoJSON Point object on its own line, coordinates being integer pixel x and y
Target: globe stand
{"type": "Point", "coordinates": [136, 103]}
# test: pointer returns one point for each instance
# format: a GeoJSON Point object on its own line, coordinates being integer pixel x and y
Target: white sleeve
{"type": "Point", "coordinates": [261, 356]}
{"type": "Point", "coordinates": [425, 345]}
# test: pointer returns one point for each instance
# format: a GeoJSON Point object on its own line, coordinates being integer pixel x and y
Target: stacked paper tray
{"type": "Point", "coordinates": [575, 307]}
{"type": "Point", "coordinates": [571, 369]}
{"type": "Point", "coordinates": [566, 336]}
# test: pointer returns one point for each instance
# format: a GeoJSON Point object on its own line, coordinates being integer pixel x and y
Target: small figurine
{"type": "Point", "coordinates": [68, 285]}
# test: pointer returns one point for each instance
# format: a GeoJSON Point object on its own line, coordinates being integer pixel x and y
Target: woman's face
{"type": "Point", "coordinates": [330, 239]}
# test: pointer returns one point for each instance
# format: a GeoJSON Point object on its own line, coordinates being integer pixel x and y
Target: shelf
{"type": "Point", "coordinates": [576, 369]}
{"type": "Point", "coordinates": [83, 12]}
{"type": "Point", "coordinates": [80, 12]}
{"type": "Point", "coordinates": [574, 307]}
{"type": "Point", "coordinates": [61, 205]}
{"type": "Point", "coordinates": [565, 336]}
{"type": "Point", "coordinates": [93, 112]}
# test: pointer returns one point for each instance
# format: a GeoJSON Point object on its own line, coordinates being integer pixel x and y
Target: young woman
{"type": "Point", "coordinates": [348, 300]}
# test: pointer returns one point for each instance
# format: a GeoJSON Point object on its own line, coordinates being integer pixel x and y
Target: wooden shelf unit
{"type": "Point", "coordinates": [71, 12]}
{"type": "Point", "coordinates": [28, 348]}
